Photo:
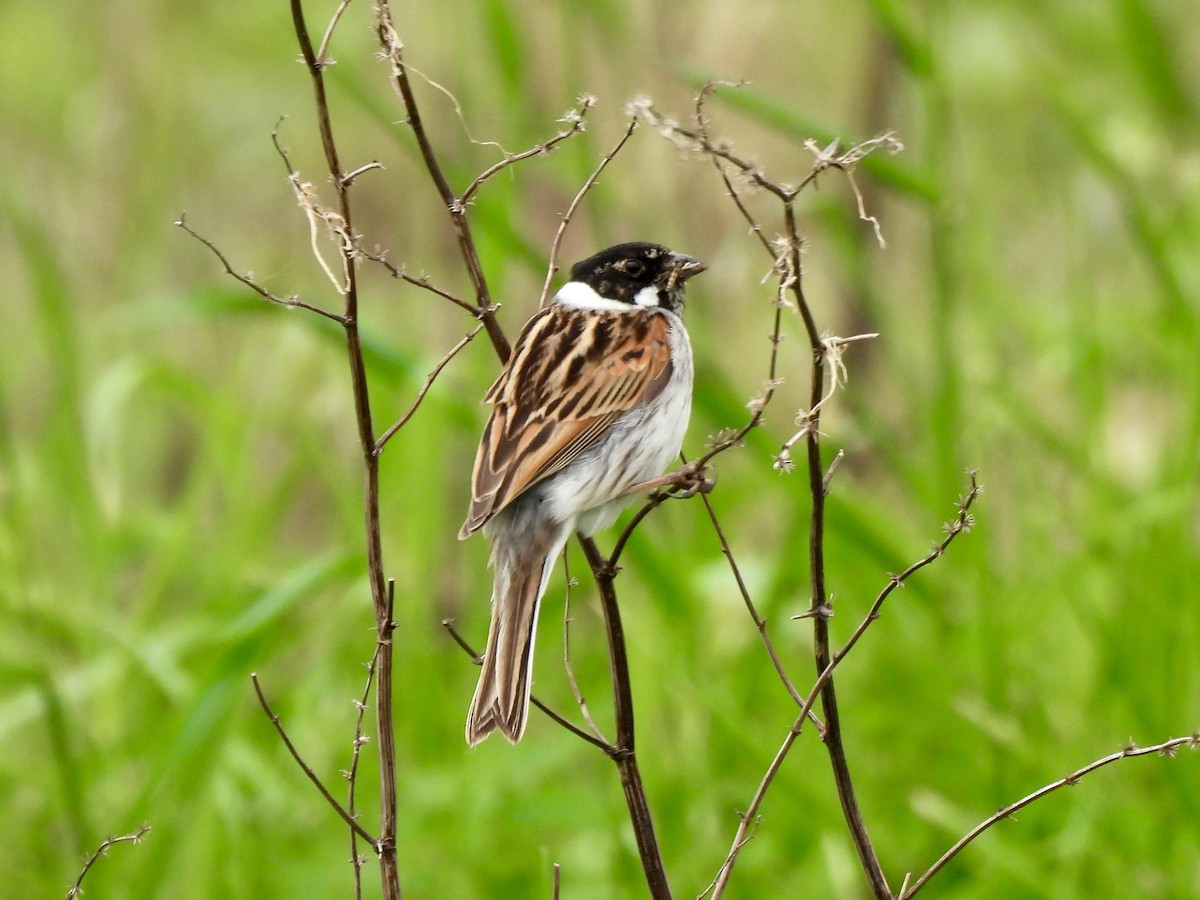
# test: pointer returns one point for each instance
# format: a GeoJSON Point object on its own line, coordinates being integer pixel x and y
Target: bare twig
{"type": "Point", "coordinates": [833, 467]}
{"type": "Point", "coordinates": [1166, 748]}
{"type": "Point", "coordinates": [322, 59]}
{"type": "Point", "coordinates": [312, 776]}
{"type": "Point", "coordinates": [697, 140]}
{"type": "Point", "coordinates": [322, 222]}
{"type": "Point", "coordinates": [702, 129]}
{"type": "Point", "coordinates": [962, 522]}
{"type": "Point", "coordinates": [429, 379]}
{"type": "Point", "coordinates": [349, 177]}
{"type": "Point", "coordinates": [833, 348]}
{"type": "Point", "coordinates": [655, 500]}
{"type": "Point", "coordinates": [75, 890]}
{"type": "Point", "coordinates": [624, 753]}
{"type": "Point", "coordinates": [566, 723]}
{"type": "Point", "coordinates": [574, 119]}
{"type": "Point", "coordinates": [578, 694]}
{"type": "Point", "coordinates": [786, 264]}
{"type": "Point", "coordinates": [556, 244]}
{"type": "Point", "coordinates": [712, 885]}
{"type": "Point", "coordinates": [248, 280]}
{"type": "Point", "coordinates": [385, 846]}
{"type": "Point", "coordinates": [422, 281]}
{"type": "Point", "coordinates": [736, 197]}
{"type": "Point", "coordinates": [351, 774]}
{"type": "Point", "coordinates": [816, 555]}
{"type": "Point", "coordinates": [393, 51]}
{"type": "Point", "coordinates": [758, 404]}
{"type": "Point", "coordinates": [749, 819]}
{"type": "Point", "coordinates": [448, 624]}
{"type": "Point", "coordinates": [759, 622]}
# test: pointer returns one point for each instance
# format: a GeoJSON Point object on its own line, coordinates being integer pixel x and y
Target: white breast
{"type": "Point", "coordinates": [641, 445]}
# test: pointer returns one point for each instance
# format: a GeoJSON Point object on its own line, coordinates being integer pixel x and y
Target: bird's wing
{"type": "Point", "coordinates": [571, 375]}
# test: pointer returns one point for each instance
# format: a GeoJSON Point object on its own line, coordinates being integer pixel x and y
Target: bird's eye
{"type": "Point", "coordinates": [633, 267]}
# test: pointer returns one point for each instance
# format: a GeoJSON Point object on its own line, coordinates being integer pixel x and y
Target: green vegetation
{"type": "Point", "coordinates": [179, 487]}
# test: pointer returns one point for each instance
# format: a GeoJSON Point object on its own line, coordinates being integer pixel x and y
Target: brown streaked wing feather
{"type": "Point", "coordinates": [537, 425]}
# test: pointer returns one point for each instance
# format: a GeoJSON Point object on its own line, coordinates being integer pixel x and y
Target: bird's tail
{"type": "Point", "coordinates": [502, 696]}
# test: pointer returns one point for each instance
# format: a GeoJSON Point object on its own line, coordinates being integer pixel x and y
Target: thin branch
{"type": "Point", "coordinates": [712, 885]}
{"type": "Point", "coordinates": [422, 282]}
{"type": "Point", "coordinates": [578, 694]}
{"type": "Point", "coordinates": [351, 774]}
{"type": "Point", "coordinates": [962, 522]}
{"type": "Point", "coordinates": [834, 464]}
{"type": "Point", "coordinates": [655, 500]}
{"type": "Point", "coordinates": [393, 51]}
{"type": "Point", "coordinates": [316, 73]}
{"type": "Point", "coordinates": [1166, 748]}
{"type": "Point", "coordinates": [698, 141]}
{"type": "Point", "coordinates": [280, 150]}
{"type": "Point", "coordinates": [759, 622]}
{"type": "Point", "coordinates": [248, 280]}
{"type": "Point", "coordinates": [476, 658]}
{"type": "Point", "coordinates": [556, 244]}
{"type": "Point", "coordinates": [384, 626]}
{"type": "Point", "coordinates": [322, 60]}
{"type": "Point", "coordinates": [575, 118]}
{"type": "Point", "coordinates": [816, 554]}
{"type": "Point", "coordinates": [312, 776]}
{"type": "Point", "coordinates": [732, 193]}
{"type": "Point", "coordinates": [749, 819]}
{"type": "Point", "coordinates": [349, 177]}
{"type": "Point", "coordinates": [75, 891]}
{"type": "Point", "coordinates": [787, 266]}
{"type": "Point", "coordinates": [833, 349]}
{"type": "Point", "coordinates": [788, 275]}
{"type": "Point", "coordinates": [702, 128]}
{"type": "Point", "coordinates": [624, 751]}
{"type": "Point", "coordinates": [317, 216]}
{"type": "Point", "coordinates": [757, 405]}
{"type": "Point", "coordinates": [566, 723]}
{"type": "Point", "coordinates": [429, 379]}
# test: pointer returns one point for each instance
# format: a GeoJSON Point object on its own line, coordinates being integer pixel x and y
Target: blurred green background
{"type": "Point", "coordinates": [180, 494]}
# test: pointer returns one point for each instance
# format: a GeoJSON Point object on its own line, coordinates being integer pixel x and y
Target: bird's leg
{"type": "Point", "coordinates": [689, 479]}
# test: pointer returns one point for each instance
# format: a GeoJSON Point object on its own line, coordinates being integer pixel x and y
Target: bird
{"type": "Point", "coordinates": [593, 401]}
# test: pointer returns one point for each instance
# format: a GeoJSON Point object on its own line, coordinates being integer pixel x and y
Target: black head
{"type": "Point", "coordinates": [625, 272]}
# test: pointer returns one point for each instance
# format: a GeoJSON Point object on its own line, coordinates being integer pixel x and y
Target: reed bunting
{"type": "Point", "coordinates": [594, 401]}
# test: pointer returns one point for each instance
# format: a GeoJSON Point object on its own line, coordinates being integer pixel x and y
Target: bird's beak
{"type": "Point", "coordinates": [686, 266]}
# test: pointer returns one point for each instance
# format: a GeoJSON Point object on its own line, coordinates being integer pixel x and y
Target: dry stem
{"type": "Point", "coordinates": [787, 265]}
{"type": "Point", "coordinates": [307, 769]}
{"type": "Point", "coordinates": [75, 890]}
{"type": "Point", "coordinates": [1166, 748]}
{"type": "Point", "coordinates": [562, 720]}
